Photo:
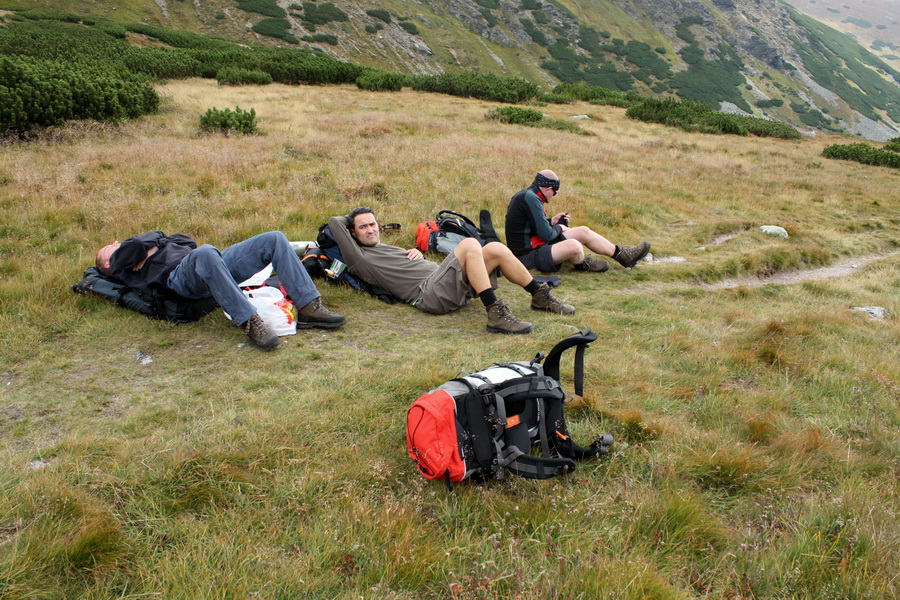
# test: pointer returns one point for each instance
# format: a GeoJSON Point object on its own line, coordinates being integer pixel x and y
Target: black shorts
{"type": "Point", "coordinates": [540, 259]}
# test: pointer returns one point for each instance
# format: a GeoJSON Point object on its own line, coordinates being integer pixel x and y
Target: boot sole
{"type": "Point", "coordinates": [268, 345]}
{"type": "Point", "coordinates": [320, 324]}
{"type": "Point", "coordinates": [497, 330]}
{"type": "Point", "coordinates": [552, 312]}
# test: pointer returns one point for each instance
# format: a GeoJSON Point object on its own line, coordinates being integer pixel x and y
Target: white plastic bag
{"type": "Point", "coordinates": [276, 310]}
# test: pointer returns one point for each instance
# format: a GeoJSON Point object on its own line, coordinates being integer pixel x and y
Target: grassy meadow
{"type": "Point", "coordinates": [757, 429]}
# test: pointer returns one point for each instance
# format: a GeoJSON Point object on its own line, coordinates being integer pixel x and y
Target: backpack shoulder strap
{"type": "Point", "coordinates": [444, 213]}
{"type": "Point", "coordinates": [580, 340]}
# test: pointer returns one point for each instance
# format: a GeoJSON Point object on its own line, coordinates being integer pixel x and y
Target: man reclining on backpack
{"type": "Point", "coordinates": [467, 272]}
{"type": "Point", "coordinates": [154, 261]}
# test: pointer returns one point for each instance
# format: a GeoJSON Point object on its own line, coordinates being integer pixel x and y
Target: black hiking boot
{"type": "Point", "coordinates": [259, 333]}
{"type": "Point", "coordinates": [627, 257]}
{"type": "Point", "coordinates": [594, 265]}
{"type": "Point", "coordinates": [542, 299]}
{"type": "Point", "coordinates": [501, 320]}
{"type": "Point", "coordinates": [316, 315]}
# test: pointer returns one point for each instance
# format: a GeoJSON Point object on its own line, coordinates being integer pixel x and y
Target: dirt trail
{"type": "Point", "coordinates": [840, 269]}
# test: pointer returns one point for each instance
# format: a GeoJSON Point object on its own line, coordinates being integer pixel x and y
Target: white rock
{"type": "Point", "coordinates": [774, 230]}
{"type": "Point", "coordinates": [37, 465]}
{"type": "Point", "coordinates": [877, 313]}
{"type": "Point", "coordinates": [580, 117]}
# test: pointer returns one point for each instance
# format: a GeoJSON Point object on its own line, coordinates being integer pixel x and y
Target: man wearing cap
{"type": "Point", "coordinates": [543, 243]}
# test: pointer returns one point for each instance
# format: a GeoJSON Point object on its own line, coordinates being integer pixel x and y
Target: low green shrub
{"type": "Point", "coordinates": [516, 115]}
{"type": "Point", "coordinates": [597, 95]}
{"type": "Point", "coordinates": [379, 13]}
{"type": "Point", "coordinates": [268, 8]}
{"type": "Point", "coordinates": [531, 118]}
{"type": "Point", "coordinates": [692, 115]}
{"type": "Point", "coordinates": [893, 145]}
{"type": "Point", "coordinates": [478, 85]}
{"type": "Point", "coordinates": [321, 37]}
{"type": "Point", "coordinates": [239, 76]}
{"type": "Point", "coordinates": [382, 81]}
{"type": "Point", "coordinates": [410, 28]}
{"type": "Point", "coordinates": [228, 121]}
{"type": "Point", "coordinates": [863, 153]}
{"type": "Point", "coordinates": [321, 14]}
{"type": "Point", "coordinates": [38, 93]}
{"type": "Point", "coordinates": [275, 27]}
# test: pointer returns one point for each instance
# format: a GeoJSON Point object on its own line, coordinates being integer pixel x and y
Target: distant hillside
{"type": "Point", "coordinates": [874, 23]}
{"type": "Point", "coordinates": [761, 57]}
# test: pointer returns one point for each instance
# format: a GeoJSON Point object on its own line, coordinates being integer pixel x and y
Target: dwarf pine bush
{"type": "Point", "coordinates": [228, 121]}
{"type": "Point", "coordinates": [863, 153]}
{"type": "Point", "coordinates": [515, 115]}
{"type": "Point", "coordinates": [382, 81]}
{"type": "Point", "coordinates": [478, 85]}
{"type": "Point", "coordinates": [239, 76]}
{"type": "Point", "coordinates": [692, 115]}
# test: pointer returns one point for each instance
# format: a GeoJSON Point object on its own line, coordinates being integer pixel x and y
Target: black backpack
{"type": "Point", "coordinates": [484, 423]}
{"type": "Point", "coordinates": [449, 228]}
{"type": "Point", "coordinates": [164, 306]}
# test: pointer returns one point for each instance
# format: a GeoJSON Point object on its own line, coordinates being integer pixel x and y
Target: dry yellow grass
{"type": "Point", "coordinates": [756, 428]}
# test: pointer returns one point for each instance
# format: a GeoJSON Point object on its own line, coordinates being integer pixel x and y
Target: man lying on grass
{"type": "Point", "coordinates": [468, 271]}
{"type": "Point", "coordinates": [155, 261]}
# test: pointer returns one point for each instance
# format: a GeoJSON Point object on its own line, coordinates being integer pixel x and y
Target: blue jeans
{"type": "Point", "coordinates": [208, 272]}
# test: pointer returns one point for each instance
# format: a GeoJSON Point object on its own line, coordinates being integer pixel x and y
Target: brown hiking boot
{"type": "Point", "coordinates": [259, 333]}
{"type": "Point", "coordinates": [501, 320]}
{"type": "Point", "coordinates": [316, 315]}
{"type": "Point", "coordinates": [627, 257]}
{"type": "Point", "coordinates": [594, 265]}
{"type": "Point", "coordinates": [544, 300]}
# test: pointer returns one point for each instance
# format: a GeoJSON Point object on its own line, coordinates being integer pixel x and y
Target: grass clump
{"type": "Point", "coordinates": [229, 121]}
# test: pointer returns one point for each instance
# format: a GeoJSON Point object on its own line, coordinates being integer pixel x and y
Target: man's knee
{"type": "Point", "coordinates": [569, 249]}
{"type": "Point", "coordinates": [497, 249]}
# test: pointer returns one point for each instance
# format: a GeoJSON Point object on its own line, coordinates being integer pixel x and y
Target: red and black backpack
{"type": "Point", "coordinates": [485, 423]}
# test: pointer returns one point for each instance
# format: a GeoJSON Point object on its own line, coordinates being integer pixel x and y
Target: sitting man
{"type": "Point", "coordinates": [544, 244]}
{"type": "Point", "coordinates": [467, 272]}
{"type": "Point", "coordinates": [157, 262]}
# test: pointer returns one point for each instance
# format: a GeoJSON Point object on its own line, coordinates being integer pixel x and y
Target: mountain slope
{"type": "Point", "coordinates": [761, 57]}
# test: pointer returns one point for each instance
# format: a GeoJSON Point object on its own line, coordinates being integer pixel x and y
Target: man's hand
{"type": "Point", "coordinates": [560, 219]}
{"type": "Point", "coordinates": [150, 253]}
{"type": "Point", "coordinates": [414, 254]}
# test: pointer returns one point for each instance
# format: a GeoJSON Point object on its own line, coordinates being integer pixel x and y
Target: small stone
{"type": "Point", "coordinates": [774, 230]}
{"type": "Point", "coordinates": [876, 313]}
{"type": "Point", "coordinates": [580, 117]}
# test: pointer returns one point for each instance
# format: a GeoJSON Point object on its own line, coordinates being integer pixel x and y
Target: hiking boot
{"type": "Point", "coordinates": [627, 257]}
{"type": "Point", "coordinates": [316, 315]}
{"type": "Point", "coordinates": [594, 265]}
{"type": "Point", "coordinates": [259, 333]}
{"type": "Point", "coordinates": [500, 320]}
{"type": "Point", "coordinates": [544, 300]}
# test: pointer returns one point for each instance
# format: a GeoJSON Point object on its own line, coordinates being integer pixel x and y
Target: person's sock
{"type": "Point", "coordinates": [533, 287]}
{"type": "Point", "coordinates": [616, 253]}
{"type": "Point", "coordinates": [488, 297]}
